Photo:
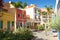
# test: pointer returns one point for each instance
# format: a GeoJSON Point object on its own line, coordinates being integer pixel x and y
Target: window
{"type": "Point", "coordinates": [35, 10]}
{"type": "Point", "coordinates": [18, 15]}
{"type": "Point", "coordinates": [12, 23]}
{"type": "Point", "coordinates": [23, 16]}
{"type": "Point", "coordinates": [8, 25]}
{"type": "Point", "coordinates": [1, 24]}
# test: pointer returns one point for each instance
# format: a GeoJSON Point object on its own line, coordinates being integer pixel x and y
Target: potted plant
{"type": "Point", "coordinates": [55, 23]}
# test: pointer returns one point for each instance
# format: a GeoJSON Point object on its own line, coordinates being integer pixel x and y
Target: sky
{"type": "Point", "coordinates": [39, 3]}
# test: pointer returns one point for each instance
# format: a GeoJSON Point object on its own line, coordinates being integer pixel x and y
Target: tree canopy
{"type": "Point", "coordinates": [49, 9]}
{"type": "Point", "coordinates": [19, 4]}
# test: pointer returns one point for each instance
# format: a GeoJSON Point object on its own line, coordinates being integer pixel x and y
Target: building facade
{"type": "Point", "coordinates": [20, 17]}
{"type": "Point", "coordinates": [7, 19]}
{"type": "Point", "coordinates": [32, 11]}
{"type": "Point", "coordinates": [38, 15]}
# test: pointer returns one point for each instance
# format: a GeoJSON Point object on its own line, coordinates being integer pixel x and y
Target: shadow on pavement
{"type": "Point", "coordinates": [38, 38]}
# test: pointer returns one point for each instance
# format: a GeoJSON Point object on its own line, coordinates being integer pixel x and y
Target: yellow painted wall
{"type": "Point", "coordinates": [7, 17]}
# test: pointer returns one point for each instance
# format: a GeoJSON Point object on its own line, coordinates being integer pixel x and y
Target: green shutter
{"type": "Point", "coordinates": [1, 24]}
{"type": "Point", "coordinates": [8, 24]}
{"type": "Point", "coordinates": [13, 23]}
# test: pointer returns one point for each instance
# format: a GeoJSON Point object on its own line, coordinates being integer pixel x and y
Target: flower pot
{"type": "Point", "coordinates": [58, 35]}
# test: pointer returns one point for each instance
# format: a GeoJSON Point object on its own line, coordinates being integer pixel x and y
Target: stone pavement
{"type": "Point", "coordinates": [42, 36]}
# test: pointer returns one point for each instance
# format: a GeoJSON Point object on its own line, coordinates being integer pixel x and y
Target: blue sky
{"type": "Point", "coordinates": [39, 3]}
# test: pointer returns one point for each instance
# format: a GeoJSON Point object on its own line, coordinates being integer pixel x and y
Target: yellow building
{"type": "Point", "coordinates": [7, 17]}
{"type": "Point", "coordinates": [7, 20]}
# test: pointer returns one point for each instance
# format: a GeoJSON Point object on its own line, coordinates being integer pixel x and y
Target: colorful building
{"type": "Point", "coordinates": [20, 17]}
{"type": "Point", "coordinates": [7, 19]}
{"type": "Point", "coordinates": [45, 17]}
{"type": "Point", "coordinates": [32, 12]}
{"type": "Point", "coordinates": [36, 17]}
{"type": "Point", "coordinates": [11, 17]}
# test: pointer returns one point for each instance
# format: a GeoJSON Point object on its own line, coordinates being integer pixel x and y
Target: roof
{"type": "Point", "coordinates": [6, 6]}
{"type": "Point", "coordinates": [31, 6]}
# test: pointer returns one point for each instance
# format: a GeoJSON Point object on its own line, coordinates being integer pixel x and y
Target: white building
{"type": "Point", "coordinates": [30, 10]}
{"type": "Point", "coordinates": [37, 18]}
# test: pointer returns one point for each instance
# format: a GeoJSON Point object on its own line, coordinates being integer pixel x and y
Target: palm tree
{"type": "Point", "coordinates": [16, 4]}
{"type": "Point", "coordinates": [19, 4]}
{"type": "Point", "coordinates": [49, 11]}
{"type": "Point", "coordinates": [24, 4]}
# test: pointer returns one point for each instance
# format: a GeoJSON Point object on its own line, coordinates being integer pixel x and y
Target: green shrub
{"type": "Point", "coordinates": [19, 34]}
{"type": "Point", "coordinates": [25, 34]}
{"type": "Point", "coordinates": [55, 23]}
{"type": "Point", "coordinates": [5, 35]}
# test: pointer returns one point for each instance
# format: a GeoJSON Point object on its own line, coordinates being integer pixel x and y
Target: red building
{"type": "Point", "coordinates": [20, 17]}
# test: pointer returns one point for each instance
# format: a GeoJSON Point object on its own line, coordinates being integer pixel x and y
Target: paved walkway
{"type": "Point", "coordinates": [42, 36]}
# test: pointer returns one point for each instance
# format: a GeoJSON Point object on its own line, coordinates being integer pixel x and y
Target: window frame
{"type": "Point", "coordinates": [12, 23]}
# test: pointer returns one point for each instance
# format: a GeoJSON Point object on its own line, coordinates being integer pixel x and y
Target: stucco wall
{"type": "Point", "coordinates": [30, 12]}
{"type": "Point", "coordinates": [7, 17]}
